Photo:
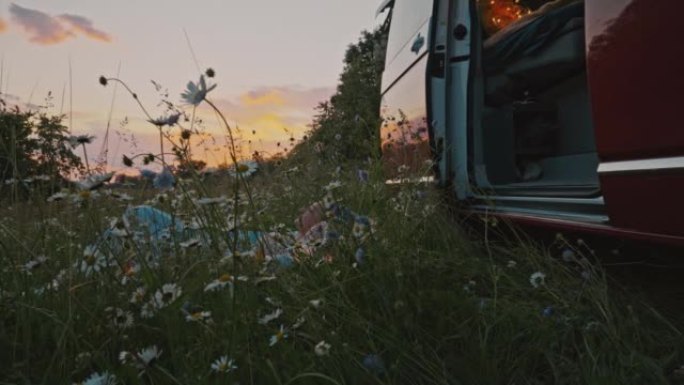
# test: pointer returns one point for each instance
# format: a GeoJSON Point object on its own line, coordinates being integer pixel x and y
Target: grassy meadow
{"type": "Point", "coordinates": [389, 292]}
{"type": "Point", "coordinates": [307, 269]}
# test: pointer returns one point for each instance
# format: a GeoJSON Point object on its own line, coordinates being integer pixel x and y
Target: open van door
{"type": "Point", "coordinates": [425, 90]}
{"type": "Point", "coordinates": [456, 28]}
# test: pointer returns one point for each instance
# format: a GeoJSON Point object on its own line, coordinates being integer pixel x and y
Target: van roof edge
{"type": "Point", "coordinates": [384, 5]}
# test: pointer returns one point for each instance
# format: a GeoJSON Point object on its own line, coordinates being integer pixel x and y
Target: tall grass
{"type": "Point", "coordinates": [393, 292]}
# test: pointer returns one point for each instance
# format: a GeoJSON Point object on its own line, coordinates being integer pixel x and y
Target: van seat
{"type": "Point", "coordinates": [534, 55]}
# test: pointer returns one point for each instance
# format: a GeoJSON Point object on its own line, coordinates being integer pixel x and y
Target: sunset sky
{"type": "Point", "coordinates": [275, 60]}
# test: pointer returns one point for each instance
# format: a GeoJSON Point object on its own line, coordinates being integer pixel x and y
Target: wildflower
{"type": "Point", "coordinates": [126, 357]}
{"type": "Point", "coordinates": [83, 359]}
{"type": "Point", "coordinates": [568, 255]}
{"type": "Point", "coordinates": [402, 169]}
{"type": "Point", "coordinates": [192, 242]}
{"type": "Point", "coordinates": [58, 196]}
{"type": "Point", "coordinates": [100, 379]}
{"type": "Point", "coordinates": [198, 316]}
{"type": "Point", "coordinates": [103, 80]}
{"type": "Point", "coordinates": [316, 303]}
{"type": "Point", "coordinates": [147, 356]}
{"type": "Point", "coordinates": [119, 227]}
{"type": "Point", "coordinates": [210, 201]}
{"type": "Point", "coordinates": [167, 295]}
{"type": "Point", "coordinates": [34, 264]}
{"type": "Point", "coordinates": [195, 93]}
{"type": "Point", "coordinates": [322, 349]}
{"type": "Point", "coordinates": [299, 322]}
{"type": "Point", "coordinates": [374, 364]}
{"type": "Point", "coordinates": [148, 310]}
{"type": "Point", "coordinates": [361, 225]}
{"type": "Point", "coordinates": [270, 317]}
{"type": "Point", "coordinates": [93, 261]}
{"type": "Point", "coordinates": [511, 264]}
{"type": "Point", "coordinates": [223, 365]}
{"type": "Point", "coordinates": [162, 121]}
{"type": "Point", "coordinates": [121, 319]}
{"type": "Point", "coordinates": [219, 283]}
{"type": "Point", "coordinates": [210, 72]}
{"type": "Point", "coordinates": [164, 180]}
{"type": "Point", "coordinates": [245, 169]}
{"type": "Point", "coordinates": [138, 295]}
{"type": "Point", "coordinates": [338, 137]}
{"type": "Point", "coordinates": [537, 279]}
{"type": "Point", "coordinates": [278, 336]}
{"type": "Point", "coordinates": [332, 185]}
{"type": "Point", "coordinates": [94, 181]}
{"type": "Point", "coordinates": [547, 312]}
{"type": "Point", "coordinates": [78, 140]}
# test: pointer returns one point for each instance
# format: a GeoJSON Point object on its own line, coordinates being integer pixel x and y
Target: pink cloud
{"type": "Point", "coordinates": [85, 26]}
{"type": "Point", "coordinates": [42, 28]}
{"type": "Point", "coordinates": [3, 25]}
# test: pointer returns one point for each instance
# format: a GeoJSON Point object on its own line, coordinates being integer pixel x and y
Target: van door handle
{"type": "Point", "coordinates": [418, 43]}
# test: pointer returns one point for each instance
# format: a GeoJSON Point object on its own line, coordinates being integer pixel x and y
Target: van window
{"type": "Point", "coordinates": [407, 17]}
{"type": "Point", "coordinates": [497, 14]}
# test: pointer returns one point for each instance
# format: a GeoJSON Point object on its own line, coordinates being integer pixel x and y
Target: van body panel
{"type": "Point", "coordinates": [634, 64]}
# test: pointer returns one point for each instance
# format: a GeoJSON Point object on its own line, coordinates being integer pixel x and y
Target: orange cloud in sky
{"type": "Point", "coordinates": [3, 25]}
{"type": "Point", "coordinates": [263, 97]}
{"type": "Point", "coordinates": [45, 29]}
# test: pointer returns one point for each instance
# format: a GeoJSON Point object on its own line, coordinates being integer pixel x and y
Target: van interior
{"type": "Point", "coordinates": [533, 133]}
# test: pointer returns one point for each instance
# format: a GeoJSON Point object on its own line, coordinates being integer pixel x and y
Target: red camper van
{"type": "Point", "coordinates": [564, 113]}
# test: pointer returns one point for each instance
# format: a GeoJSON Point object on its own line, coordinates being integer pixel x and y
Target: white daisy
{"type": "Point", "coordinates": [278, 336]}
{"type": "Point", "coordinates": [270, 316]}
{"type": "Point", "coordinates": [195, 93]}
{"type": "Point", "coordinates": [298, 323]}
{"type": "Point", "coordinates": [222, 281]}
{"type": "Point", "coordinates": [223, 365]}
{"type": "Point", "coordinates": [244, 168]}
{"type": "Point", "coordinates": [322, 349]}
{"type": "Point", "coordinates": [167, 295]}
{"type": "Point", "coordinates": [100, 379]}
{"type": "Point", "coordinates": [120, 227]}
{"type": "Point", "coordinates": [193, 242]}
{"type": "Point", "coordinates": [148, 355]}
{"type": "Point", "coordinates": [332, 185]}
{"type": "Point", "coordinates": [33, 264]}
{"type": "Point", "coordinates": [93, 261]}
{"type": "Point", "coordinates": [58, 196]}
{"type": "Point", "coordinates": [316, 303]}
{"type": "Point", "coordinates": [121, 319]}
{"type": "Point", "coordinates": [138, 295]}
{"type": "Point", "coordinates": [94, 181]}
{"type": "Point", "coordinates": [148, 309]}
{"type": "Point", "coordinates": [537, 279]}
{"type": "Point", "coordinates": [199, 316]}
